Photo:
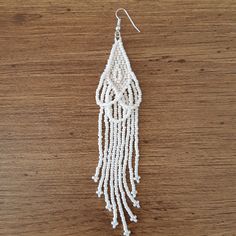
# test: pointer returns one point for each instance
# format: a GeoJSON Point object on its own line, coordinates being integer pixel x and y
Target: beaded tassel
{"type": "Point", "coordinates": [119, 96]}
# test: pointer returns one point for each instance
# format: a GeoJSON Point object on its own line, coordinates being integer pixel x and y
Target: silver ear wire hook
{"type": "Point", "coordinates": [117, 33]}
{"type": "Point", "coordinates": [119, 19]}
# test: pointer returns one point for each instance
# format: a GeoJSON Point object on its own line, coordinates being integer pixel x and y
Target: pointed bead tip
{"type": "Point", "coordinates": [134, 219]}
{"type": "Point", "coordinates": [127, 233]}
{"type": "Point", "coordinates": [137, 179]}
{"type": "Point", "coordinates": [99, 193]}
{"type": "Point", "coordinates": [95, 179]}
{"type": "Point", "coordinates": [114, 223]}
{"type": "Point", "coordinates": [136, 204]}
{"type": "Point", "coordinates": [108, 207]}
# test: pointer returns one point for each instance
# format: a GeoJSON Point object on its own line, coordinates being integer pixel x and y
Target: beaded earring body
{"type": "Point", "coordinates": [118, 96]}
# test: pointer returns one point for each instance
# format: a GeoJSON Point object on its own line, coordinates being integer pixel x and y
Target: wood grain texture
{"type": "Point", "coordinates": [51, 56]}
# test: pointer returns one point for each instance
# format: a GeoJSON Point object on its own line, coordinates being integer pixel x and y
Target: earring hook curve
{"type": "Point", "coordinates": [119, 19]}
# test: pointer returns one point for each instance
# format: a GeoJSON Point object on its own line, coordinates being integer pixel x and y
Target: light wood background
{"type": "Point", "coordinates": [51, 56]}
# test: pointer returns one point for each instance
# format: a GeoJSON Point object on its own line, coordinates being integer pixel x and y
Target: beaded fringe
{"type": "Point", "coordinates": [118, 95]}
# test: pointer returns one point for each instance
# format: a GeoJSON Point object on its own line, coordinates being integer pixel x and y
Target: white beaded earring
{"type": "Point", "coordinates": [118, 95]}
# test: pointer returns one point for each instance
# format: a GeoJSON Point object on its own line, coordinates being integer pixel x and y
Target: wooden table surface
{"type": "Point", "coordinates": [51, 56]}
